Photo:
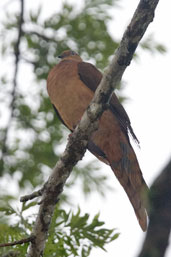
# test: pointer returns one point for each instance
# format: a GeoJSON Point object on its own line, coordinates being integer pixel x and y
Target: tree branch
{"type": "Point", "coordinates": [19, 242]}
{"type": "Point", "coordinates": [157, 237]}
{"type": "Point", "coordinates": [16, 64]}
{"type": "Point", "coordinates": [41, 36]}
{"type": "Point", "coordinates": [76, 146]}
{"type": "Point", "coordinates": [33, 195]}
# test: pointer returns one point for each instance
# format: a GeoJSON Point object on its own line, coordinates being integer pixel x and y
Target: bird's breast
{"type": "Point", "coordinates": [68, 93]}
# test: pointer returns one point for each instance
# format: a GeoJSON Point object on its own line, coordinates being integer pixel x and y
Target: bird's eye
{"type": "Point", "coordinates": [72, 52]}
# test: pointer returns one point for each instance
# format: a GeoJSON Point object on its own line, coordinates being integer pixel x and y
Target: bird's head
{"type": "Point", "coordinates": [69, 54]}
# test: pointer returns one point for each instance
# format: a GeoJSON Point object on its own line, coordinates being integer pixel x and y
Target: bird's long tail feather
{"type": "Point", "coordinates": [128, 173]}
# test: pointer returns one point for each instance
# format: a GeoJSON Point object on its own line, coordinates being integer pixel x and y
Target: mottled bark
{"type": "Point", "coordinates": [157, 237]}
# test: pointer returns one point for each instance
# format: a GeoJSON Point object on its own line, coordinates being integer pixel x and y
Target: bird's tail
{"type": "Point", "coordinates": [128, 173]}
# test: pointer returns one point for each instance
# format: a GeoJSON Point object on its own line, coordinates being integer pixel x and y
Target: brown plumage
{"type": "Point", "coordinates": [71, 85]}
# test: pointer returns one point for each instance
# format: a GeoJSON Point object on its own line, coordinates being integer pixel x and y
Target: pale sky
{"type": "Point", "coordinates": [149, 90]}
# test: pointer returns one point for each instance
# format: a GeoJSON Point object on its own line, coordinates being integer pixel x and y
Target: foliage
{"type": "Point", "coordinates": [79, 236]}
{"type": "Point", "coordinates": [69, 235]}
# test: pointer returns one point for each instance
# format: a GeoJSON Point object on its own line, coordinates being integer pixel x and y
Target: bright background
{"type": "Point", "coordinates": [149, 91]}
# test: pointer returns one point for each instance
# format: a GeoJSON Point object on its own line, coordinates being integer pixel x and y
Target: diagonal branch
{"type": "Point", "coordinates": [157, 237]}
{"type": "Point", "coordinates": [76, 146]}
{"type": "Point", "coordinates": [16, 65]}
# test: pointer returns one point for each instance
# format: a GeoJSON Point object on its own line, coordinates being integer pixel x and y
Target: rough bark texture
{"type": "Point", "coordinates": [157, 237]}
{"type": "Point", "coordinates": [76, 146]}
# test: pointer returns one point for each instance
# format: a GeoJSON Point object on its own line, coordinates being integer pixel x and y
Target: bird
{"type": "Point", "coordinates": [71, 85]}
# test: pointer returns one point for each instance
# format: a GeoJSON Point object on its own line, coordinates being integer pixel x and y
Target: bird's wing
{"type": "Point", "coordinates": [91, 77]}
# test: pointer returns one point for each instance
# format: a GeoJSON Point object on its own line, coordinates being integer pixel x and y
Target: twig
{"type": "Point", "coordinates": [13, 93]}
{"type": "Point", "coordinates": [42, 36]}
{"type": "Point", "coordinates": [31, 196]}
{"type": "Point", "coordinates": [157, 237]}
{"type": "Point", "coordinates": [76, 146]}
{"type": "Point", "coordinates": [19, 242]}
